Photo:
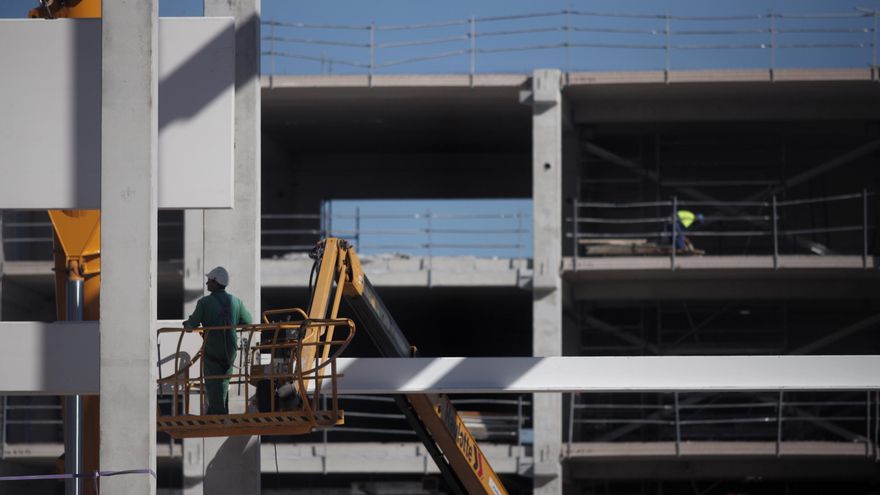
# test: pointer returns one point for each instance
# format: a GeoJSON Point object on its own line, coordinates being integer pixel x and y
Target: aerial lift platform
{"type": "Point", "coordinates": [292, 365]}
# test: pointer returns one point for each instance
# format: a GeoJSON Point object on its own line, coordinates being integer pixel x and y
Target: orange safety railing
{"type": "Point", "coordinates": [284, 388]}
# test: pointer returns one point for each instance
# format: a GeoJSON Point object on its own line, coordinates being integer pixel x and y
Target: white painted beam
{"type": "Point", "coordinates": [607, 374]}
{"type": "Point", "coordinates": [50, 96]}
{"type": "Point", "coordinates": [49, 358]}
{"type": "Point", "coordinates": [62, 358]}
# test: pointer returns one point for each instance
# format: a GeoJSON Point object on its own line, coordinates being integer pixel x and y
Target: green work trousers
{"type": "Point", "coordinates": [217, 390]}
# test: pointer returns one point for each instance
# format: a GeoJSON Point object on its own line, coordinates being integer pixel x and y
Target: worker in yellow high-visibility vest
{"type": "Point", "coordinates": [685, 219]}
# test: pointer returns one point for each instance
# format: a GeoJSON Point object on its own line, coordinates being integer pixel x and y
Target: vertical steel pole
{"type": "Point", "coordinates": [772, 45]}
{"type": "Point", "coordinates": [570, 420]}
{"type": "Point", "coordinates": [677, 427]}
{"type": "Point", "coordinates": [73, 420]}
{"type": "Point", "coordinates": [779, 406]}
{"type": "Point", "coordinates": [674, 231]}
{"type": "Point", "coordinates": [519, 419]}
{"type": "Point", "coordinates": [372, 52]}
{"type": "Point", "coordinates": [775, 236]}
{"type": "Point", "coordinates": [357, 228]}
{"type": "Point", "coordinates": [430, 247]}
{"type": "Point", "coordinates": [666, 50]}
{"type": "Point", "coordinates": [574, 240]}
{"type": "Point", "coordinates": [868, 444]}
{"type": "Point", "coordinates": [874, 50]}
{"type": "Point", "coordinates": [271, 52]}
{"type": "Point", "coordinates": [864, 228]}
{"type": "Point", "coordinates": [473, 39]}
{"type": "Point", "coordinates": [876, 424]}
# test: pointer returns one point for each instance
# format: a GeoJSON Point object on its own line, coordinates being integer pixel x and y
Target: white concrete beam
{"type": "Point", "coordinates": [54, 89]}
{"type": "Point", "coordinates": [54, 359]}
{"type": "Point", "coordinates": [129, 158]}
{"type": "Point", "coordinates": [607, 374]}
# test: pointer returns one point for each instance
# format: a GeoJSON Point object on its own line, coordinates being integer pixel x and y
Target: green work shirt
{"type": "Point", "coordinates": [216, 310]}
{"type": "Point", "coordinates": [686, 218]}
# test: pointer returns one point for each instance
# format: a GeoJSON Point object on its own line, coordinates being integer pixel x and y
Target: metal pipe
{"type": "Point", "coordinates": [775, 237]}
{"type": "Point", "coordinates": [570, 419]}
{"type": "Point", "coordinates": [674, 230]}
{"type": "Point", "coordinates": [73, 420]}
{"type": "Point", "coordinates": [473, 36]}
{"type": "Point", "coordinates": [864, 228]}
{"type": "Point", "coordinates": [779, 424]}
{"type": "Point", "coordinates": [372, 52]}
{"type": "Point", "coordinates": [677, 427]}
{"type": "Point", "coordinates": [575, 236]}
{"type": "Point", "coordinates": [772, 45]}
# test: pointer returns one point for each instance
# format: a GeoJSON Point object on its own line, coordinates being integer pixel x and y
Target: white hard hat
{"type": "Point", "coordinates": [220, 275]}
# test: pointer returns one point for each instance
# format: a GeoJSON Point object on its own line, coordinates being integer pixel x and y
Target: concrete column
{"type": "Point", "coordinates": [232, 238]}
{"type": "Point", "coordinates": [547, 290]}
{"type": "Point", "coordinates": [129, 137]}
{"type": "Point", "coordinates": [193, 288]}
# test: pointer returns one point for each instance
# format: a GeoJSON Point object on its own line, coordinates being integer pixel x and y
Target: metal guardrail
{"type": "Point", "coordinates": [768, 221]}
{"type": "Point", "coordinates": [476, 42]}
{"type": "Point", "coordinates": [416, 233]}
{"type": "Point", "coordinates": [493, 420]}
{"type": "Point", "coordinates": [681, 417]}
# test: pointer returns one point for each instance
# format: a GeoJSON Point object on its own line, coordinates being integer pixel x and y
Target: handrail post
{"type": "Point", "coordinates": [570, 420]}
{"type": "Point", "coordinates": [574, 236]}
{"type": "Point", "coordinates": [868, 445]}
{"type": "Point", "coordinates": [864, 228]}
{"type": "Point", "coordinates": [779, 405]}
{"type": "Point", "coordinates": [430, 246]}
{"type": "Point", "coordinates": [874, 75]}
{"type": "Point", "coordinates": [271, 52]}
{"type": "Point", "coordinates": [519, 419]}
{"type": "Point", "coordinates": [677, 427]}
{"type": "Point", "coordinates": [372, 53]}
{"type": "Point", "coordinates": [772, 45]}
{"type": "Point", "coordinates": [775, 236]}
{"type": "Point", "coordinates": [666, 63]}
{"type": "Point", "coordinates": [473, 40]}
{"type": "Point", "coordinates": [357, 227]}
{"type": "Point", "coordinates": [674, 231]}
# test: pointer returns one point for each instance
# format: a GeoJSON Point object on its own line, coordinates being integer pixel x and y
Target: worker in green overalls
{"type": "Point", "coordinates": [220, 347]}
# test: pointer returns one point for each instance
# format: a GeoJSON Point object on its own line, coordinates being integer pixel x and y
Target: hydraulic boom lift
{"type": "Point", "coordinates": [301, 353]}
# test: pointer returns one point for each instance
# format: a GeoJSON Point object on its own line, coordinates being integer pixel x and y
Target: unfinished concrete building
{"type": "Point", "coordinates": [780, 163]}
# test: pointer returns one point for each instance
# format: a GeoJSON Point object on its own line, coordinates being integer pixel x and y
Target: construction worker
{"type": "Point", "coordinates": [218, 309]}
{"type": "Point", "coordinates": [684, 220]}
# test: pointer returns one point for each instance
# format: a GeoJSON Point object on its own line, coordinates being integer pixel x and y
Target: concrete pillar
{"type": "Point", "coordinates": [129, 137]}
{"type": "Point", "coordinates": [547, 198]}
{"type": "Point", "coordinates": [232, 239]}
{"type": "Point", "coordinates": [193, 288]}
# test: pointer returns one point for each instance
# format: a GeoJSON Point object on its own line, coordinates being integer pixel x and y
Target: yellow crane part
{"type": "Point", "coordinates": [79, 9]}
{"type": "Point", "coordinates": [77, 254]}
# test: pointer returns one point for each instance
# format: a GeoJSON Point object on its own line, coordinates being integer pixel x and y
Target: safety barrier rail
{"type": "Point", "coordinates": [28, 235]}
{"type": "Point", "coordinates": [414, 233]}
{"type": "Point", "coordinates": [679, 417]}
{"type": "Point", "coordinates": [377, 418]}
{"type": "Point", "coordinates": [770, 224]}
{"type": "Point", "coordinates": [576, 39]}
